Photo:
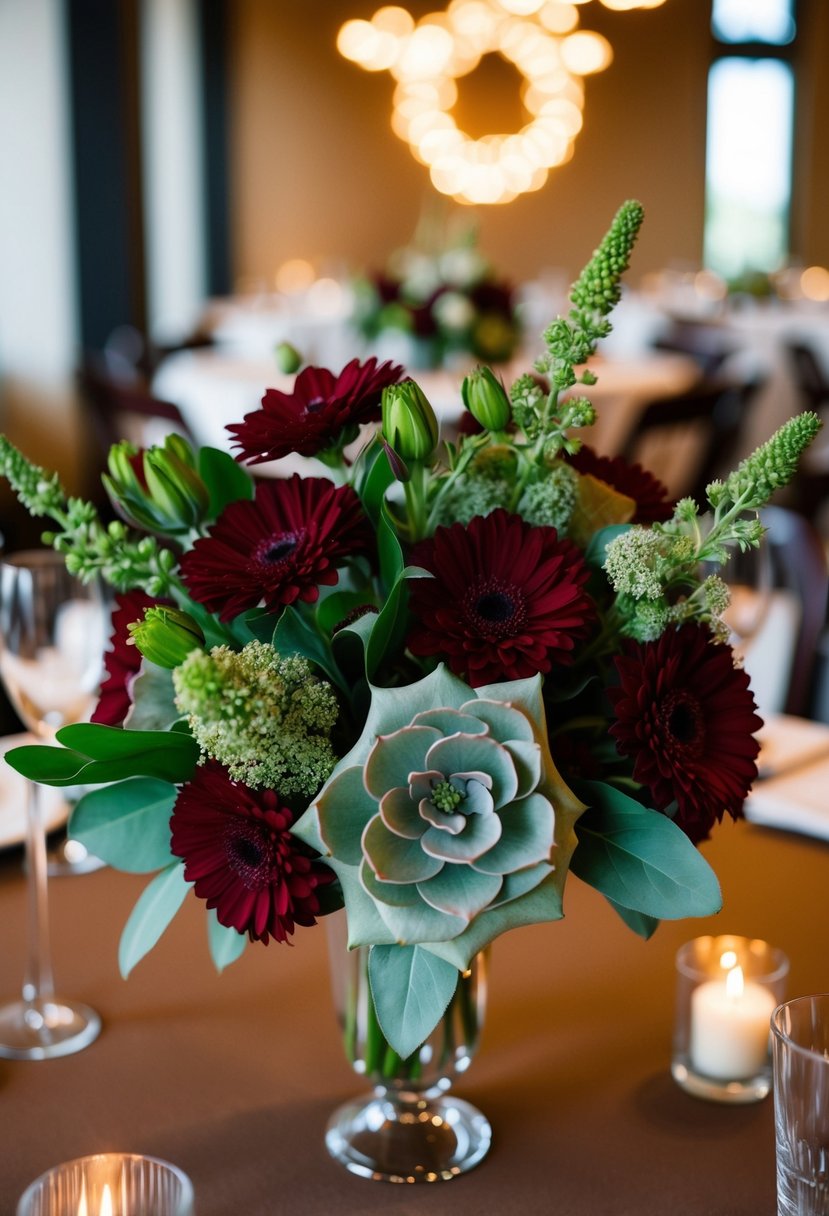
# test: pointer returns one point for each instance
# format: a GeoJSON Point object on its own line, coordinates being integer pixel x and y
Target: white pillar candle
{"type": "Point", "coordinates": [730, 1027]}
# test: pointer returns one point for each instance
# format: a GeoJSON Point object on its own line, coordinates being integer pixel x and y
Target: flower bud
{"type": "Point", "coordinates": [158, 490]}
{"type": "Point", "coordinates": [288, 358]}
{"type": "Point", "coordinates": [166, 636]}
{"type": "Point", "coordinates": [486, 399]}
{"type": "Point", "coordinates": [409, 423]}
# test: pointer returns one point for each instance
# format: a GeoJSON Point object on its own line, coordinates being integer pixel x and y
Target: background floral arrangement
{"type": "Point", "coordinates": [442, 295]}
{"type": "Point", "coordinates": [425, 688]}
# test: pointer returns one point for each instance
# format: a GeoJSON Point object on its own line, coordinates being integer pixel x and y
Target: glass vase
{"type": "Point", "coordinates": [409, 1128]}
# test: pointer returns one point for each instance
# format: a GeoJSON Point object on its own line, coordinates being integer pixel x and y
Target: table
{"type": "Point", "coordinates": [233, 1077]}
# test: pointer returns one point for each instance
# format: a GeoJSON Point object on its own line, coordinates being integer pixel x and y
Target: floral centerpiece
{"type": "Point", "coordinates": [440, 298]}
{"type": "Point", "coordinates": [425, 688]}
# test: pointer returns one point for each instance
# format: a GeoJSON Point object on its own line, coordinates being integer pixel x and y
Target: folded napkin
{"type": "Point", "coordinates": [792, 791]}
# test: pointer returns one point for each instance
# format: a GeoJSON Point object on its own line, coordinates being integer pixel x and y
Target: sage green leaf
{"type": "Point", "coordinates": [153, 699]}
{"type": "Point", "coordinates": [226, 945]}
{"type": "Point", "coordinates": [645, 926]}
{"type": "Point", "coordinates": [225, 479]}
{"type": "Point", "coordinates": [411, 924]}
{"type": "Point", "coordinates": [396, 755]}
{"type": "Point", "coordinates": [399, 894]}
{"type": "Point", "coordinates": [395, 858]}
{"type": "Point", "coordinates": [527, 829]}
{"type": "Point", "coordinates": [460, 891]}
{"type": "Point", "coordinates": [596, 551]}
{"type": "Point", "coordinates": [504, 721]}
{"type": "Point", "coordinates": [640, 859]}
{"type": "Point", "coordinates": [156, 907]}
{"type": "Point", "coordinates": [127, 825]}
{"type": "Point", "coordinates": [518, 884]}
{"type": "Point", "coordinates": [400, 814]}
{"type": "Point", "coordinates": [523, 694]}
{"type": "Point", "coordinates": [479, 835]}
{"type": "Point", "coordinates": [411, 990]}
{"type": "Point", "coordinates": [526, 758]}
{"type": "Point", "coordinates": [451, 722]}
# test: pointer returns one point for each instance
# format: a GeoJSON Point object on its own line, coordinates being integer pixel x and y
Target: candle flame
{"type": "Point", "coordinates": [82, 1208]}
{"type": "Point", "coordinates": [734, 983]}
{"type": "Point", "coordinates": [728, 960]}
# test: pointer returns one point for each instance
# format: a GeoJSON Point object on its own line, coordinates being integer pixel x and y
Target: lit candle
{"type": "Point", "coordinates": [106, 1201]}
{"type": "Point", "coordinates": [730, 1025]}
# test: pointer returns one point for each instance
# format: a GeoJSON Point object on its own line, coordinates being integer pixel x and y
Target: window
{"type": "Point", "coordinates": [749, 139]}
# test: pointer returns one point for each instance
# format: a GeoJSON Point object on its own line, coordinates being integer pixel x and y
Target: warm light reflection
{"type": "Point", "coordinates": [814, 283]}
{"type": "Point", "coordinates": [734, 983]}
{"type": "Point", "coordinates": [294, 276]}
{"type": "Point", "coordinates": [728, 959]}
{"type": "Point", "coordinates": [539, 38]}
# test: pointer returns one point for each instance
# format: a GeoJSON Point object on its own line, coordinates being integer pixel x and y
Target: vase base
{"type": "Point", "coordinates": [45, 1028]}
{"type": "Point", "coordinates": [426, 1140]}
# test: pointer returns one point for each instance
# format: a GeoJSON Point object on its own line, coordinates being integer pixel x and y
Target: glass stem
{"type": "Point", "coordinates": [37, 982]}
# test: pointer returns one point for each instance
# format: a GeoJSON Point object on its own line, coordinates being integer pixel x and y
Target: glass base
{"type": "Point", "coordinates": [45, 1028]}
{"type": "Point", "coordinates": [750, 1089]}
{"type": "Point", "coordinates": [389, 1139]}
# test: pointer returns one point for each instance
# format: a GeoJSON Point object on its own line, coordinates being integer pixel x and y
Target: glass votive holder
{"type": "Point", "coordinates": [800, 1037]}
{"type": "Point", "coordinates": [727, 990]}
{"type": "Point", "coordinates": [110, 1184]}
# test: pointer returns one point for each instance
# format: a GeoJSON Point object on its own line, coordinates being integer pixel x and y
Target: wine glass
{"type": "Point", "coordinates": [52, 639]}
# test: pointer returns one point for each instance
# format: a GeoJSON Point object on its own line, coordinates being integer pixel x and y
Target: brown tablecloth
{"type": "Point", "coordinates": [233, 1076]}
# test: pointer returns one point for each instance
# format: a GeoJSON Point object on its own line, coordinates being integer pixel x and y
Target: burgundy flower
{"type": "Point", "coordinates": [685, 713]}
{"type": "Point", "coordinates": [507, 599]}
{"type": "Point", "coordinates": [312, 417]}
{"type": "Point", "coordinates": [122, 661]}
{"type": "Point", "coordinates": [278, 548]}
{"type": "Point", "coordinates": [649, 494]}
{"type": "Point", "coordinates": [239, 852]}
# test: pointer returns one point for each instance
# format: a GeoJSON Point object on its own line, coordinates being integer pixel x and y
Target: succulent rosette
{"type": "Point", "coordinates": [447, 823]}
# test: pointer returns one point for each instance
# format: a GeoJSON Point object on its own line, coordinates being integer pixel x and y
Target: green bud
{"type": "Point", "coordinates": [166, 636]}
{"type": "Point", "coordinates": [159, 490]}
{"type": "Point", "coordinates": [409, 423]}
{"type": "Point", "coordinates": [486, 399]}
{"type": "Point", "coordinates": [288, 358]}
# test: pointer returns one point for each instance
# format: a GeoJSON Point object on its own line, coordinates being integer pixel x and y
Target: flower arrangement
{"type": "Point", "coordinates": [440, 296]}
{"type": "Point", "coordinates": [425, 688]}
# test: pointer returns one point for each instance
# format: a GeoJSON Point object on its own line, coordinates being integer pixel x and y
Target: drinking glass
{"type": "Point", "coordinates": [52, 639]}
{"type": "Point", "coordinates": [800, 1041]}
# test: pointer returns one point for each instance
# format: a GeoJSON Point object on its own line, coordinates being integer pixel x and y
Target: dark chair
{"type": "Point", "coordinates": [707, 344]}
{"type": "Point", "coordinates": [690, 439]}
{"type": "Point", "coordinates": [798, 565]}
{"type": "Point", "coordinates": [123, 407]}
{"type": "Point", "coordinates": [812, 384]}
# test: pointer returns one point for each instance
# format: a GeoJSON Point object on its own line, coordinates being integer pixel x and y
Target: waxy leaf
{"type": "Point", "coordinates": [640, 859]}
{"type": "Point", "coordinates": [127, 825]}
{"type": "Point", "coordinates": [93, 754]}
{"type": "Point", "coordinates": [225, 479]}
{"type": "Point", "coordinates": [156, 907]}
{"type": "Point", "coordinates": [295, 635]}
{"type": "Point", "coordinates": [411, 989]}
{"type": "Point", "coordinates": [226, 945]}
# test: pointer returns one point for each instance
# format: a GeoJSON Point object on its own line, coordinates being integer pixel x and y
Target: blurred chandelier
{"type": "Point", "coordinates": [540, 38]}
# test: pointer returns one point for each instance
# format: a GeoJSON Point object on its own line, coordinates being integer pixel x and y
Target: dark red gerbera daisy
{"type": "Point", "coordinates": [122, 661]}
{"type": "Point", "coordinates": [649, 494]}
{"type": "Point", "coordinates": [239, 852]}
{"type": "Point", "coordinates": [685, 713]}
{"type": "Point", "coordinates": [507, 599]}
{"type": "Point", "coordinates": [313, 416]}
{"type": "Point", "coordinates": [278, 548]}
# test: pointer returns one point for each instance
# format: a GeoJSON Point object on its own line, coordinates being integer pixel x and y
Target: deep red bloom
{"type": "Point", "coordinates": [122, 661]}
{"type": "Point", "coordinates": [312, 417]}
{"type": "Point", "coordinates": [507, 599]}
{"type": "Point", "coordinates": [685, 713]}
{"type": "Point", "coordinates": [278, 548]}
{"type": "Point", "coordinates": [649, 494]}
{"type": "Point", "coordinates": [239, 852]}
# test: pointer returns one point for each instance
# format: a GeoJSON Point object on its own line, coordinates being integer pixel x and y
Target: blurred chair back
{"type": "Point", "coordinates": [799, 592]}
{"type": "Point", "coordinates": [690, 439]}
{"type": "Point", "coordinates": [122, 407]}
{"type": "Point", "coordinates": [707, 344]}
{"type": "Point", "coordinates": [812, 384]}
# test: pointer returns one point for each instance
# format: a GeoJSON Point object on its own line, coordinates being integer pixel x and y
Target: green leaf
{"type": "Point", "coordinates": [225, 479]}
{"type": "Point", "coordinates": [389, 549]}
{"type": "Point", "coordinates": [373, 489]}
{"type": "Point", "coordinates": [595, 552]}
{"type": "Point", "coordinates": [335, 608]}
{"type": "Point", "coordinates": [127, 825]}
{"type": "Point", "coordinates": [92, 755]}
{"type": "Point", "coordinates": [295, 635]}
{"type": "Point", "coordinates": [639, 859]}
{"type": "Point", "coordinates": [153, 699]}
{"type": "Point", "coordinates": [645, 926]}
{"type": "Point", "coordinates": [411, 989]}
{"type": "Point", "coordinates": [156, 907]}
{"type": "Point", "coordinates": [226, 945]}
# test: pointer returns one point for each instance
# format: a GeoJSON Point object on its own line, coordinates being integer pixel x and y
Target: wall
{"type": "Point", "coordinates": [318, 171]}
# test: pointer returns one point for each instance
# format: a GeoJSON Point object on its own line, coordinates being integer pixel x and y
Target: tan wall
{"type": "Point", "coordinates": [318, 172]}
